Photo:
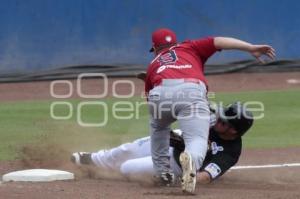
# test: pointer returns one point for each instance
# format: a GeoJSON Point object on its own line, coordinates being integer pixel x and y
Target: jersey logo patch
{"type": "Point", "coordinates": [168, 58]}
{"type": "Point", "coordinates": [215, 148]}
{"type": "Point", "coordinates": [213, 169]}
{"type": "Point", "coordinates": [164, 67]}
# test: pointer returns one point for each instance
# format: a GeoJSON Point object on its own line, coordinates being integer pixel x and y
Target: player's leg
{"type": "Point", "coordinates": [160, 142]}
{"type": "Point", "coordinates": [195, 135]}
{"type": "Point", "coordinates": [138, 167]}
{"type": "Point", "coordinates": [195, 151]}
{"type": "Point", "coordinates": [160, 121]}
{"type": "Point", "coordinates": [193, 118]}
{"type": "Point", "coordinates": [175, 165]}
{"type": "Point", "coordinates": [113, 158]}
{"type": "Point", "coordinates": [192, 113]}
{"type": "Point", "coordinates": [143, 167]}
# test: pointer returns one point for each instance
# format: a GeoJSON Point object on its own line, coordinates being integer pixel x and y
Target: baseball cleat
{"type": "Point", "coordinates": [188, 180]}
{"type": "Point", "coordinates": [165, 179]}
{"type": "Point", "coordinates": [82, 158]}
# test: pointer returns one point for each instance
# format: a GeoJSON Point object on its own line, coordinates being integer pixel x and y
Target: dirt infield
{"type": "Point", "coordinates": [255, 183]}
{"type": "Point", "coordinates": [217, 83]}
{"type": "Point", "coordinates": [259, 183]}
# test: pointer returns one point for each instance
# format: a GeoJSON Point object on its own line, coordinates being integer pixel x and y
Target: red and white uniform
{"type": "Point", "coordinates": [182, 61]}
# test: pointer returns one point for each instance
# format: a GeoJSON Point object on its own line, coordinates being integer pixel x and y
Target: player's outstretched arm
{"type": "Point", "coordinates": [256, 51]}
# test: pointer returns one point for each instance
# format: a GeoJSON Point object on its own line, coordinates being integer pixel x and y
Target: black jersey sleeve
{"type": "Point", "coordinates": [221, 157]}
{"type": "Point", "coordinates": [219, 164]}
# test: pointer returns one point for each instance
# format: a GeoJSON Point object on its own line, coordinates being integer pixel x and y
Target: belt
{"type": "Point", "coordinates": [184, 80]}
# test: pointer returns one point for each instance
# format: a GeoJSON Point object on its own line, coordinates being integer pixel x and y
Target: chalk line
{"type": "Point", "coordinates": [265, 166]}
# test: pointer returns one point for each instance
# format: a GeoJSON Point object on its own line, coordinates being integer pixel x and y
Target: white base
{"type": "Point", "coordinates": [37, 175]}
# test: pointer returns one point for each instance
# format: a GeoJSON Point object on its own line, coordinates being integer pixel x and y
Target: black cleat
{"type": "Point", "coordinates": [82, 158]}
{"type": "Point", "coordinates": [165, 179]}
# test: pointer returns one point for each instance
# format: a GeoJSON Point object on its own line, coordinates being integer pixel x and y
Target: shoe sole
{"type": "Point", "coordinates": [188, 181]}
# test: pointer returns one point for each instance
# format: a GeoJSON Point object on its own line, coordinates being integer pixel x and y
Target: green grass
{"type": "Point", "coordinates": [29, 123]}
{"type": "Point", "coordinates": [280, 126]}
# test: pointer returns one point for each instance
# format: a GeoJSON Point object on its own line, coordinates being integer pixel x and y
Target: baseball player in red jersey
{"type": "Point", "coordinates": [176, 91]}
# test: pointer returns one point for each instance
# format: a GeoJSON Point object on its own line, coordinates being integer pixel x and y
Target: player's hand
{"type": "Point", "coordinates": [258, 50]}
{"type": "Point", "coordinates": [203, 177]}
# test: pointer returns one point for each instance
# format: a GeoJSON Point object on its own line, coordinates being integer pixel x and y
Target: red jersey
{"type": "Point", "coordinates": [184, 60]}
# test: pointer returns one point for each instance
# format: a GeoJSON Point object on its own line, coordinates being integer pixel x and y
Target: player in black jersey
{"type": "Point", "coordinates": [225, 142]}
{"type": "Point", "coordinates": [228, 125]}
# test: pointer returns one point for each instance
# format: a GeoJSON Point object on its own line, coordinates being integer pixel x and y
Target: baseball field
{"type": "Point", "coordinates": [40, 130]}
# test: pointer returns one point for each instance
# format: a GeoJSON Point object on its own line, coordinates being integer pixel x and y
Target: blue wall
{"type": "Point", "coordinates": [39, 34]}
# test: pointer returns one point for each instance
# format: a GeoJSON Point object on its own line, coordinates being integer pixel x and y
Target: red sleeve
{"type": "Point", "coordinates": [205, 47]}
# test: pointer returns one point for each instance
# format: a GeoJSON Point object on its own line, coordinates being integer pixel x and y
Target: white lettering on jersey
{"type": "Point", "coordinates": [215, 148]}
{"type": "Point", "coordinates": [213, 169]}
{"type": "Point", "coordinates": [160, 69]}
{"type": "Point", "coordinates": [164, 67]}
